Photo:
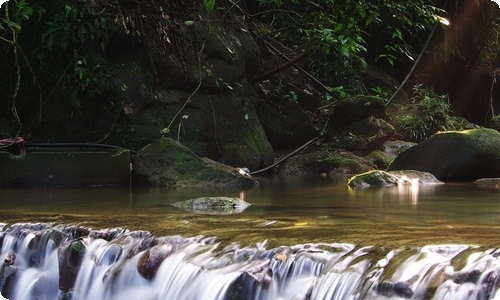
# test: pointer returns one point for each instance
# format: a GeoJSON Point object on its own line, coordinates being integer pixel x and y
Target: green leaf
{"type": "Point", "coordinates": [188, 23]}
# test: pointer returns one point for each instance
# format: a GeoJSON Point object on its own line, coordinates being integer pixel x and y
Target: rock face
{"type": "Point", "coordinates": [392, 178]}
{"type": "Point", "coordinates": [168, 163]}
{"type": "Point", "coordinates": [455, 155]}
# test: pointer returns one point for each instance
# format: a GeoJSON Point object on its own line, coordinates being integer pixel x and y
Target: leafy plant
{"type": "Point", "coordinates": [11, 26]}
{"type": "Point", "coordinates": [339, 34]}
{"type": "Point", "coordinates": [71, 36]}
{"type": "Point", "coordinates": [429, 114]}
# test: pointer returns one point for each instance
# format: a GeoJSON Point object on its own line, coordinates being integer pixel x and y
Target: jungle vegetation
{"type": "Point", "coordinates": [57, 50]}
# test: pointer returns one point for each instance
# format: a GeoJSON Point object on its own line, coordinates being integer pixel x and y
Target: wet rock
{"type": "Point", "coordinates": [214, 205]}
{"type": "Point", "coordinates": [389, 289]}
{"type": "Point", "coordinates": [151, 259]}
{"type": "Point", "coordinates": [168, 163]}
{"type": "Point", "coordinates": [455, 155]}
{"type": "Point", "coordinates": [466, 276]}
{"type": "Point", "coordinates": [382, 178]}
{"type": "Point", "coordinates": [7, 272]}
{"type": "Point", "coordinates": [70, 256]}
{"type": "Point", "coordinates": [247, 285]}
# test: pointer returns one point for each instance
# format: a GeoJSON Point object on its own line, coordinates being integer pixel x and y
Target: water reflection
{"type": "Point", "coordinates": [318, 198]}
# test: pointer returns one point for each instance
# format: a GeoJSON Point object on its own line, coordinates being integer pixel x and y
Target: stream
{"type": "Point", "coordinates": [301, 238]}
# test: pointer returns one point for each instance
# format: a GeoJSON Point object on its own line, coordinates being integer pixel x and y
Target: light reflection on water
{"type": "Point", "coordinates": [311, 197]}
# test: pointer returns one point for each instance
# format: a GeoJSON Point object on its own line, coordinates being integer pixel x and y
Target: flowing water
{"type": "Point", "coordinates": [307, 238]}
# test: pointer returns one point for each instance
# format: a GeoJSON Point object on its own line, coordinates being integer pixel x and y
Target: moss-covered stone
{"type": "Point", "coordinates": [167, 162]}
{"type": "Point", "coordinates": [455, 155]}
{"type": "Point", "coordinates": [325, 162]}
{"type": "Point", "coordinates": [214, 205]}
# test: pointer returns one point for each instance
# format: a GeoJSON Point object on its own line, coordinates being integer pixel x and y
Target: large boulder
{"type": "Point", "coordinates": [455, 155]}
{"type": "Point", "coordinates": [168, 163]}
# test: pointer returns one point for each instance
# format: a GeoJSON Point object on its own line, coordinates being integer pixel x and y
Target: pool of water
{"type": "Point", "coordinates": [282, 211]}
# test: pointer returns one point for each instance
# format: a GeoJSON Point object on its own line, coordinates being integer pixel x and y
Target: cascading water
{"type": "Point", "coordinates": [42, 261]}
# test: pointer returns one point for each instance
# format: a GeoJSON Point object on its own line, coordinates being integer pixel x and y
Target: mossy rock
{"type": "Point", "coordinates": [213, 205]}
{"type": "Point", "coordinates": [168, 163]}
{"type": "Point", "coordinates": [325, 162]}
{"type": "Point", "coordinates": [382, 178]}
{"type": "Point", "coordinates": [455, 155]}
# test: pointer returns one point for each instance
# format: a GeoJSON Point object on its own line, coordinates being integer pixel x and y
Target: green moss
{"type": "Point", "coordinates": [380, 159]}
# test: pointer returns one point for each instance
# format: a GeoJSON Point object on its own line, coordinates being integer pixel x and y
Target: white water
{"type": "Point", "coordinates": [199, 268]}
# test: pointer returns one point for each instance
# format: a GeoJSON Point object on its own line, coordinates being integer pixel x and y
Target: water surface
{"type": "Point", "coordinates": [283, 211]}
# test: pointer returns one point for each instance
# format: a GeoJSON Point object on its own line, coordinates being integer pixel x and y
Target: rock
{"type": "Point", "coordinates": [383, 178]}
{"type": "Point", "coordinates": [285, 123]}
{"type": "Point", "coordinates": [355, 109]}
{"type": "Point", "coordinates": [394, 148]}
{"type": "Point", "coordinates": [70, 256]}
{"type": "Point", "coordinates": [389, 289]}
{"type": "Point", "coordinates": [324, 163]}
{"type": "Point", "coordinates": [214, 205]}
{"type": "Point", "coordinates": [168, 163]}
{"type": "Point", "coordinates": [7, 272]}
{"type": "Point", "coordinates": [366, 135]}
{"type": "Point", "coordinates": [454, 155]}
{"type": "Point", "coordinates": [246, 286]}
{"type": "Point", "coordinates": [150, 261]}
{"type": "Point", "coordinates": [488, 182]}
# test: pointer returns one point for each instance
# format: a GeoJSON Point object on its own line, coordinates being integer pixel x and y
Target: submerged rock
{"type": "Point", "coordinates": [214, 205]}
{"type": "Point", "coordinates": [392, 178]}
{"type": "Point", "coordinates": [454, 155]}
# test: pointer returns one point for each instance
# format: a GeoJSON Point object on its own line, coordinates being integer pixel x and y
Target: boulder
{"type": "Point", "coordinates": [392, 178]}
{"type": "Point", "coordinates": [355, 109]}
{"type": "Point", "coordinates": [285, 123]}
{"type": "Point", "coordinates": [454, 155]}
{"type": "Point", "coordinates": [214, 205]}
{"type": "Point", "coordinates": [149, 262]}
{"type": "Point", "coordinates": [366, 135]}
{"type": "Point", "coordinates": [488, 182]}
{"type": "Point", "coordinates": [168, 163]}
{"type": "Point", "coordinates": [323, 162]}
{"type": "Point", "coordinates": [70, 256]}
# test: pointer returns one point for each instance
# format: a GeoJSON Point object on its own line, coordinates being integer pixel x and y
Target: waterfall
{"type": "Point", "coordinates": [46, 261]}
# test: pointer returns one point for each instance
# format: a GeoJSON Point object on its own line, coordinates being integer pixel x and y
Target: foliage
{"type": "Point", "coordinates": [429, 115]}
{"type": "Point", "coordinates": [347, 36]}
{"type": "Point", "coordinates": [71, 36]}
{"type": "Point", "coordinates": [10, 27]}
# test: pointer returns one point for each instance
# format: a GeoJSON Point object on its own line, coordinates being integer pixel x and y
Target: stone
{"type": "Point", "coordinates": [70, 256]}
{"type": "Point", "coordinates": [355, 109]}
{"type": "Point", "coordinates": [285, 123]}
{"type": "Point", "coordinates": [214, 205]}
{"type": "Point", "coordinates": [392, 178]}
{"type": "Point", "coordinates": [150, 261]}
{"type": "Point", "coordinates": [454, 155]}
{"type": "Point", "coordinates": [366, 135]}
{"type": "Point", "coordinates": [168, 163]}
